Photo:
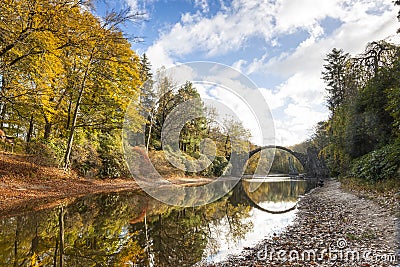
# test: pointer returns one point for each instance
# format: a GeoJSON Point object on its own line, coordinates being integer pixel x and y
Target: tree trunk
{"type": "Point", "coordinates": [61, 225]}
{"type": "Point", "coordinates": [30, 130]}
{"type": "Point", "coordinates": [3, 115]}
{"type": "Point", "coordinates": [47, 129]}
{"type": "Point", "coordinates": [150, 129]}
{"type": "Point", "coordinates": [226, 146]}
{"type": "Point", "coordinates": [3, 104]}
{"type": "Point", "coordinates": [72, 130]}
{"type": "Point", "coordinates": [69, 113]}
{"type": "Point", "coordinates": [73, 125]}
{"type": "Point", "coordinates": [16, 243]}
{"type": "Point", "coordinates": [55, 254]}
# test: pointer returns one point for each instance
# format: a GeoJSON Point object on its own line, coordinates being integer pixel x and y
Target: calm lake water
{"type": "Point", "coordinates": [124, 229]}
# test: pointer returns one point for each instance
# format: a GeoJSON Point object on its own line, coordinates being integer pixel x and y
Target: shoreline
{"type": "Point", "coordinates": [328, 217]}
{"type": "Point", "coordinates": [332, 227]}
{"type": "Point", "coordinates": [36, 195]}
{"type": "Point", "coordinates": [27, 187]}
{"type": "Point", "coordinates": [25, 197]}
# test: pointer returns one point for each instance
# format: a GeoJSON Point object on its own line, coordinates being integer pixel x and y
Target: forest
{"type": "Point", "coordinates": [67, 77]}
{"type": "Point", "coordinates": [361, 138]}
{"type": "Point", "coordinates": [71, 85]}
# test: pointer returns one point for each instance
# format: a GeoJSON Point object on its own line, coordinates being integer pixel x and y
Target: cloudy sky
{"type": "Point", "coordinates": [278, 44]}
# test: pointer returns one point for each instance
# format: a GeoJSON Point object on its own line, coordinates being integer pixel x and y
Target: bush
{"type": "Point", "coordinates": [219, 166]}
{"type": "Point", "coordinates": [379, 164]}
{"type": "Point", "coordinates": [85, 159]}
{"type": "Point", "coordinates": [111, 156]}
{"type": "Point", "coordinates": [164, 167]}
{"type": "Point", "coordinates": [46, 153]}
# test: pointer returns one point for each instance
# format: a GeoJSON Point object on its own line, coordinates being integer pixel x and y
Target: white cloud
{"type": "Point", "coordinates": [357, 30]}
{"type": "Point", "coordinates": [285, 136]}
{"type": "Point", "coordinates": [297, 105]}
{"type": "Point", "coordinates": [231, 28]}
{"type": "Point", "coordinates": [203, 5]}
{"type": "Point", "coordinates": [297, 125]}
{"type": "Point", "coordinates": [159, 57]}
{"type": "Point", "coordinates": [304, 88]}
{"type": "Point", "coordinates": [274, 99]}
{"type": "Point", "coordinates": [228, 103]}
{"type": "Point", "coordinates": [239, 64]}
{"type": "Point", "coordinates": [134, 4]}
{"type": "Point", "coordinates": [140, 6]}
{"type": "Point", "coordinates": [300, 95]}
{"type": "Point", "coordinates": [303, 117]}
{"type": "Point", "coordinates": [292, 15]}
{"type": "Point", "coordinates": [226, 31]}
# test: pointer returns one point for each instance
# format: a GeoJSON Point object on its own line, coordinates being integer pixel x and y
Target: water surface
{"type": "Point", "coordinates": [124, 229]}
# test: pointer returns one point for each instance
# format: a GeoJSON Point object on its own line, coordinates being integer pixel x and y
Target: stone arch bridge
{"type": "Point", "coordinates": [313, 165]}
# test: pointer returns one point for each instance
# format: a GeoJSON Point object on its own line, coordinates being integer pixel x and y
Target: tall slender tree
{"type": "Point", "coordinates": [397, 2]}
{"type": "Point", "coordinates": [335, 77]}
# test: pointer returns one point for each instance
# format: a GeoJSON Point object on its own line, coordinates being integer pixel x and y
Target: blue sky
{"type": "Point", "coordinates": [279, 44]}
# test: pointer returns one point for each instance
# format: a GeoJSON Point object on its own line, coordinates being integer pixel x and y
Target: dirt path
{"type": "Point", "coordinates": [333, 228]}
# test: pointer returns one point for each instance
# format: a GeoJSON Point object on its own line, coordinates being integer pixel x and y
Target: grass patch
{"type": "Point", "coordinates": [382, 187]}
{"type": "Point", "coordinates": [368, 234]}
{"type": "Point", "coordinates": [352, 237]}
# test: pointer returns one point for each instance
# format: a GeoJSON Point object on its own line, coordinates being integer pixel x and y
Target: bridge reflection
{"type": "Point", "coordinates": [269, 191]}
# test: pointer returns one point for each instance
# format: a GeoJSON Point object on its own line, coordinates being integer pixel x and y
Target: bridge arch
{"type": "Point", "coordinates": [299, 156]}
{"type": "Point", "coordinates": [313, 165]}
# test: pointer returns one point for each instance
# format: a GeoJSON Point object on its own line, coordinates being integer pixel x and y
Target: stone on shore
{"type": "Point", "coordinates": [332, 228]}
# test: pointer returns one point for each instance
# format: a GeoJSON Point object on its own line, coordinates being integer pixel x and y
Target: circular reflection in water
{"type": "Point", "coordinates": [276, 195]}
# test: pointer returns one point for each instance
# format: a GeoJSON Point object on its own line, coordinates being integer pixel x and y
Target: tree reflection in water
{"type": "Point", "coordinates": [110, 230]}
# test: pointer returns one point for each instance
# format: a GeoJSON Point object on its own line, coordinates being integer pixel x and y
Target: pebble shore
{"type": "Point", "coordinates": [332, 228]}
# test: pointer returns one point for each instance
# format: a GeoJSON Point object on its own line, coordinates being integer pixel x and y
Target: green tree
{"type": "Point", "coordinates": [164, 86]}
{"type": "Point", "coordinates": [334, 76]}
{"type": "Point", "coordinates": [363, 101]}
{"type": "Point", "coordinates": [194, 130]}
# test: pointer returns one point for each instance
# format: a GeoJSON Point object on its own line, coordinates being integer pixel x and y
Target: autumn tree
{"type": "Point", "coordinates": [65, 70]}
{"type": "Point", "coordinates": [29, 56]}
{"type": "Point", "coordinates": [105, 74]}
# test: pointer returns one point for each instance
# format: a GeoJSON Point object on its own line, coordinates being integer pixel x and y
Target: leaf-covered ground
{"type": "Point", "coordinates": [26, 186]}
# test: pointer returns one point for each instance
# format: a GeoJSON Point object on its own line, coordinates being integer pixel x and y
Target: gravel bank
{"type": "Point", "coordinates": [332, 228]}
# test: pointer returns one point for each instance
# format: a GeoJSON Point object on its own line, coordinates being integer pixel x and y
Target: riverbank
{"type": "Point", "coordinates": [333, 228]}
{"type": "Point", "coordinates": [26, 186]}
